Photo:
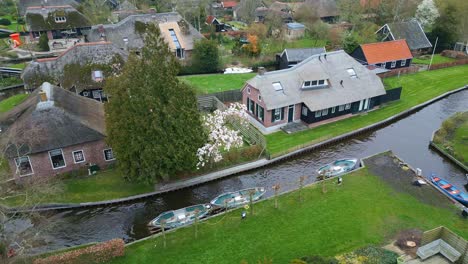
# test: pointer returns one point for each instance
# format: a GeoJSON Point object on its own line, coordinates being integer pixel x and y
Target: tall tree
{"type": "Point", "coordinates": [427, 13]}
{"type": "Point", "coordinates": [96, 11]}
{"type": "Point", "coordinates": [445, 28]}
{"type": "Point", "coordinates": [44, 42]}
{"type": "Point", "coordinates": [152, 119]}
{"type": "Point", "coordinates": [206, 56]}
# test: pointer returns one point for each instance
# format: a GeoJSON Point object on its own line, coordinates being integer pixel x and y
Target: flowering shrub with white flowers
{"type": "Point", "coordinates": [221, 137]}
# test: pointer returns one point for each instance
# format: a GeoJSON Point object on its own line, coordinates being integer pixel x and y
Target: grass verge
{"type": "Point", "coordinates": [212, 83]}
{"type": "Point", "coordinates": [364, 210]}
{"type": "Point", "coordinates": [426, 59]}
{"type": "Point", "coordinates": [8, 104]}
{"type": "Point", "coordinates": [417, 88]}
{"type": "Point", "coordinates": [453, 136]}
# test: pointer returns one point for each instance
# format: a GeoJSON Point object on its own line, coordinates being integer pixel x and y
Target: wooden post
{"type": "Point", "coordinates": [324, 187]}
{"type": "Point", "coordinates": [163, 225]}
{"type": "Point", "coordinates": [276, 187]}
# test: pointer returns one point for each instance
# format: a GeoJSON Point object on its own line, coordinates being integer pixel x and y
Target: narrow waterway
{"type": "Point", "coordinates": [408, 138]}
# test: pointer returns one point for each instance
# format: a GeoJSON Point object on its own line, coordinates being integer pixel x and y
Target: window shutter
{"type": "Point", "coordinates": [256, 109]}
{"type": "Point", "coordinates": [282, 113]}
{"type": "Point", "coordinates": [272, 115]}
{"type": "Point", "coordinates": [248, 104]}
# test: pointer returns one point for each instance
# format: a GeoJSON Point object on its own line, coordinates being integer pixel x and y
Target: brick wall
{"type": "Point", "coordinates": [93, 153]}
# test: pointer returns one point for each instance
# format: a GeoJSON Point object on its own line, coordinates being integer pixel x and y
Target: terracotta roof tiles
{"type": "Point", "coordinates": [386, 51]}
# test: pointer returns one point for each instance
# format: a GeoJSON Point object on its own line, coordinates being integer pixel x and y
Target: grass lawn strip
{"type": "Point", "coordinates": [8, 104]}
{"type": "Point", "coordinates": [417, 88]}
{"type": "Point", "coordinates": [105, 185]}
{"type": "Point", "coordinates": [438, 59]}
{"type": "Point", "coordinates": [212, 83]}
{"type": "Point", "coordinates": [364, 210]}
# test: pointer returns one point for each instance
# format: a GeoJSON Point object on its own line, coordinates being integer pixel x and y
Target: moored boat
{"type": "Point", "coordinates": [238, 198]}
{"type": "Point", "coordinates": [450, 190]}
{"type": "Point", "coordinates": [180, 217]}
{"type": "Point", "coordinates": [337, 167]}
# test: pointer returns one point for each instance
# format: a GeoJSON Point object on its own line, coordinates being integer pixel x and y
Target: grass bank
{"type": "Point", "coordinates": [105, 185]}
{"type": "Point", "coordinates": [212, 83]}
{"type": "Point", "coordinates": [426, 59]}
{"type": "Point", "coordinates": [364, 210]}
{"type": "Point", "coordinates": [453, 136]}
{"type": "Point", "coordinates": [8, 104]}
{"type": "Point", "coordinates": [417, 88]}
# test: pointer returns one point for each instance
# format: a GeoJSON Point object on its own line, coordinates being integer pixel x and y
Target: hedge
{"type": "Point", "coordinates": [100, 253]}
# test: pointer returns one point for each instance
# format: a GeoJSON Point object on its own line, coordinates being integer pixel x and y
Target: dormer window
{"type": "Point", "coordinates": [59, 19]}
{"type": "Point", "coordinates": [314, 84]}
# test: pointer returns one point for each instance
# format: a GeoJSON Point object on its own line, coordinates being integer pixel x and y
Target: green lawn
{"type": "Point", "coordinates": [21, 65]}
{"type": "Point", "coordinates": [453, 136]}
{"type": "Point", "coordinates": [13, 24]}
{"type": "Point", "coordinates": [8, 104]}
{"type": "Point", "coordinates": [362, 211]}
{"type": "Point", "coordinates": [212, 83]}
{"type": "Point", "coordinates": [417, 88]}
{"type": "Point", "coordinates": [426, 59]}
{"type": "Point", "coordinates": [105, 185]}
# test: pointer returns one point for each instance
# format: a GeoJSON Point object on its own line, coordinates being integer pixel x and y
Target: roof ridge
{"type": "Point", "coordinates": [130, 17]}
{"type": "Point", "coordinates": [383, 42]}
{"type": "Point", "coordinates": [73, 47]}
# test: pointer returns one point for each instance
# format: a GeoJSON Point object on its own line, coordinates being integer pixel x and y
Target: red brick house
{"type": "Point", "coordinates": [324, 86]}
{"type": "Point", "coordinates": [53, 132]}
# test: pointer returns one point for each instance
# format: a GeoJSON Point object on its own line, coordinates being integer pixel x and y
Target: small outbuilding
{"type": "Point", "coordinates": [388, 55]}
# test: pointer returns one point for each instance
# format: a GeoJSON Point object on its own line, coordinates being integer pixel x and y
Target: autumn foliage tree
{"type": "Point", "coordinates": [152, 119]}
{"type": "Point", "coordinates": [253, 47]}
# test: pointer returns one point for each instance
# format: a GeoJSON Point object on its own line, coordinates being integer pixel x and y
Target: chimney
{"type": "Point", "coordinates": [43, 96]}
{"type": "Point", "coordinates": [261, 70]}
{"type": "Point", "coordinates": [325, 56]}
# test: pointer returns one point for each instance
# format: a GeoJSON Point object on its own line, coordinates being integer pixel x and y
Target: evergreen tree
{"type": "Point", "coordinates": [44, 42]}
{"type": "Point", "coordinates": [152, 119]}
{"type": "Point", "coordinates": [206, 56]}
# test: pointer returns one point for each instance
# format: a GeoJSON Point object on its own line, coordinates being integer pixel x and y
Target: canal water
{"type": "Point", "coordinates": [408, 138]}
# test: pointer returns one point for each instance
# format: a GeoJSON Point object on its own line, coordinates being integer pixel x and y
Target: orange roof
{"type": "Point", "coordinates": [228, 4]}
{"type": "Point", "coordinates": [386, 51]}
{"type": "Point", "coordinates": [210, 19]}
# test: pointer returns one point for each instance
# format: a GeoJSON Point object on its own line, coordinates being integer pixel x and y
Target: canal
{"type": "Point", "coordinates": [408, 138]}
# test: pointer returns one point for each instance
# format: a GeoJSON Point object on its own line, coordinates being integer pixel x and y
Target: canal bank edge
{"type": "Point", "coordinates": [446, 154]}
{"type": "Point", "coordinates": [237, 169]}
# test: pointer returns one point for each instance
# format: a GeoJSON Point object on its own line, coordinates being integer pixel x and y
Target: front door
{"type": "Point", "coordinates": [290, 113]}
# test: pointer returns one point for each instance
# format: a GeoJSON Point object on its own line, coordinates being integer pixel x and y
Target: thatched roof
{"type": "Point", "coordinates": [324, 8]}
{"type": "Point", "coordinates": [44, 18]}
{"type": "Point", "coordinates": [24, 4]}
{"type": "Point", "coordinates": [64, 119]}
{"type": "Point", "coordinates": [125, 35]}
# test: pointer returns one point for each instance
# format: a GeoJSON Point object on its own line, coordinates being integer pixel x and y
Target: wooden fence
{"type": "Point", "coordinates": [228, 96]}
{"type": "Point", "coordinates": [448, 64]}
{"type": "Point", "coordinates": [395, 72]}
{"type": "Point", "coordinates": [454, 240]}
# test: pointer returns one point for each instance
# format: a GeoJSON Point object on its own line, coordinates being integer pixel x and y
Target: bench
{"type": "Point", "coordinates": [438, 246]}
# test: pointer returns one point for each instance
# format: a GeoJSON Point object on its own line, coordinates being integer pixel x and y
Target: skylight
{"type": "Point", "coordinates": [277, 86]}
{"type": "Point", "coordinates": [351, 73]}
{"type": "Point", "coordinates": [175, 39]}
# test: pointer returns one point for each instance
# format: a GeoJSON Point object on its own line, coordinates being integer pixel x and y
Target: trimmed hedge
{"type": "Point", "coordinates": [5, 22]}
{"type": "Point", "coordinates": [100, 253]}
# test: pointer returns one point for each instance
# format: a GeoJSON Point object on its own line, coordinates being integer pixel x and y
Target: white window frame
{"type": "Point", "coordinates": [30, 165]}
{"type": "Point", "coordinates": [403, 63]}
{"type": "Point", "coordinates": [104, 153]}
{"type": "Point", "coordinates": [277, 114]}
{"type": "Point", "coordinates": [64, 160]}
{"type": "Point", "coordinates": [393, 65]}
{"type": "Point", "coordinates": [333, 109]}
{"type": "Point", "coordinates": [341, 108]}
{"type": "Point", "coordinates": [318, 113]}
{"type": "Point", "coordinates": [82, 153]}
{"type": "Point", "coordinates": [347, 106]}
{"type": "Point", "coordinates": [307, 85]}
{"type": "Point", "coordinates": [259, 98]}
{"type": "Point", "coordinates": [60, 19]}
{"type": "Point", "coordinates": [248, 90]}
{"type": "Point", "coordinates": [304, 110]}
{"type": "Point", "coordinates": [325, 112]}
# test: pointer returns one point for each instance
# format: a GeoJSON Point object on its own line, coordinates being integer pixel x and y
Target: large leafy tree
{"type": "Point", "coordinates": [153, 123]}
{"type": "Point", "coordinates": [445, 28]}
{"type": "Point", "coordinates": [206, 56]}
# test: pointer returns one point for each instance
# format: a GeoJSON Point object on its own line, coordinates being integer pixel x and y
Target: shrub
{"type": "Point", "coordinates": [44, 43]}
{"type": "Point", "coordinates": [5, 22]}
{"type": "Point", "coordinates": [316, 260]}
{"type": "Point", "coordinates": [100, 253]}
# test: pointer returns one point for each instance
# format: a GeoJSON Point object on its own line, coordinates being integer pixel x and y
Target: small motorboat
{"type": "Point", "coordinates": [180, 217]}
{"type": "Point", "coordinates": [450, 190]}
{"type": "Point", "coordinates": [238, 198]}
{"type": "Point", "coordinates": [337, 167]}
